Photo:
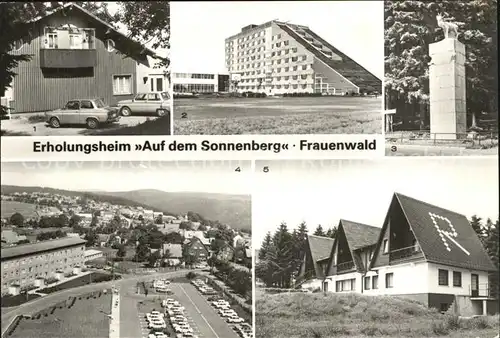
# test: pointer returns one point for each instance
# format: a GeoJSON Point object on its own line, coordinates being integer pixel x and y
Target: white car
{"type": "Point", "coordinates": [235, 320]}
{"type": "Point", "coordinates": [183, 329]}
{"type": "Point", "coordinates": [150, 317]}
{"type": "Point", "coordinates": [220, 303]}
{"type": "Point", "coordinates": [157, 325]}
{"type": "Point", "coordinates": [226, 313]}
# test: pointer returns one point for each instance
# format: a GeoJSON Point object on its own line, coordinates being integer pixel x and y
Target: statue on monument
{"type": "Point", "coordinates": [450, 28]}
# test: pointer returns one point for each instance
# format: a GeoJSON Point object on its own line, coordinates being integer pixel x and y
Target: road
{"type": "Point", "coordinates": [42, 303]}
{"type": "Point", "coordinates": [208, 322]}
{"type": "Point", "coordinates": [21, 126]}
{"type": "Point", "coordinates": [421, 150]}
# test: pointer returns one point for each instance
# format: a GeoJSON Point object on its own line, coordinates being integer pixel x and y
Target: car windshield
{"type": "Point", "coordinates": [165, 96]}
{"type": "Point", "coordinates": [99, 103]}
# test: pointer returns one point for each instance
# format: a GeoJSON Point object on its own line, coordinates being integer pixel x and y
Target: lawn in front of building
{"type": "Point", "coordinates": [278, 115]}
{"type": "Point", "coordinates": [86, 318]}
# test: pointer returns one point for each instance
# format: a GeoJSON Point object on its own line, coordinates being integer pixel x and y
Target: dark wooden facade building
{"type": "Point", "coordinates": [74, 55]}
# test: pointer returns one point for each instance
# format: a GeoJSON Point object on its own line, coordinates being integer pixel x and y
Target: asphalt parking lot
{"type": "Point", "coordinates": [203, 318]}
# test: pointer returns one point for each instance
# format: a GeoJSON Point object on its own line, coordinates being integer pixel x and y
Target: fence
{"type": "Point", "coordinates": [475, 139]}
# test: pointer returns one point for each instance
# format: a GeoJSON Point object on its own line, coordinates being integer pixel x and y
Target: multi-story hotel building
{"type": "Point", "coordinates": [200, 82]}
{"type": "Point", "coordinates": [277, 58]}
{"type": "Point", "coordinates": [24, 264]}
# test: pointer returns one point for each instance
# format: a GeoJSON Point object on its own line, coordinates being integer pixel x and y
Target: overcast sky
{"type": "Point", "coordinates": [361, 190]}
{"type": "Point", "coordinates": [188, 176]}
{"type": "Point", "coordinates": [198, 29]}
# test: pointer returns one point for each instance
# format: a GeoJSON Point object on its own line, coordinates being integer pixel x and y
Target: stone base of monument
{"type": "Point", "coordinates": [447, 90]}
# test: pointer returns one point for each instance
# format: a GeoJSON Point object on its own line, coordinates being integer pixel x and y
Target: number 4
{"type": "Point", "coordinates": [238, 169]}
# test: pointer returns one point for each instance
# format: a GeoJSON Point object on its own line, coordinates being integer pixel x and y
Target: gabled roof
{"type": "Point", "coordinates": [444, 236]}
{"type": "Point", "coordinates": [319, 249]}
{"type": "Point", "coordinates": [359, 235]}
{"type": "Point", "coordinates": [71, 5]}
{"type": "Point", "coordinates": [191, 240]}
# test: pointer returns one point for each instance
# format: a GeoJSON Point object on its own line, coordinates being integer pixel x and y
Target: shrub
{"type": "Point", "coordinates": [191, 275]}
{"type": "Point", "coordinates": [452, 322]}
{"type": "Point", "coordinates": [439, 328]}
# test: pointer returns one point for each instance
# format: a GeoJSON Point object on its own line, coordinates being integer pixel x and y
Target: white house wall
{"type": "Point", "coordinates": [332, 281]}
{"type": "Point", "coordinates": [464, 290]}
{"type": "Point", "coordinates": [410, 278]}
{"type": "Point", "coordinates": [144, 71]}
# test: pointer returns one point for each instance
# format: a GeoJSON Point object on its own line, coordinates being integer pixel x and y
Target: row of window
{"type": "Point", "coordinates": [370, 283]}
{"type": "Point", "coordinates": [32, 269]}
{"type": "Point", "coordinates": [250, 52]}
{"type": "Point", "coordinates": [251, 36]}
{"type": "Point", "coordinates": [294, 86]}
{"type": "Point", "coordinates": [281, 78]}
{"type": "Point", "coordinates": [46, 256]}
{"type": "Point", "coordinates": [77, 39]}
{"type": "Point", "coordinates": [277, 61]}
{"type": "Point", "coordinates": [193, 76]}
{"type": "Point", "coordinates": [194, 88]}
{"type": "Point", "coordinates": [443, 278]}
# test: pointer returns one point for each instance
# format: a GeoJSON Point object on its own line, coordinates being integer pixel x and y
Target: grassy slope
{"type": "Point", "coordinates": [8, 208]}
{"type": "Point", "coordinates": [331, 315]}
{"type": "Point", "coordinates": [316, 123]}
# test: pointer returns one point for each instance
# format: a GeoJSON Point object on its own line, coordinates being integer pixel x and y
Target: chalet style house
{"type": "Point", "coordinates": [422, 252]}
{"type": "Point", "coordinates": [75, 54]}
{"type": "Point", "coordinates": [312, 269]}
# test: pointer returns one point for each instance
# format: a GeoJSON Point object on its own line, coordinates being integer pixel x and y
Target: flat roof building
{"type": "Point", "coordinates": [279, 57]}
{"type": "Point", "coordinates": [22, 264]}
{"type": "Point", "coordinates": [200, 82]}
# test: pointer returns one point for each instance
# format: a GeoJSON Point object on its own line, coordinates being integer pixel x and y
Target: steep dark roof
{"type": "Point", "coordinates": [360, 235]}
{"type": "Point", "coordinates": [347, 67]}
{"type": "Point", "coordinates": [32, 248]}
{"type": "Point", "coordinates": [320, 248]}
{"type": "Point", "coordinates": [424, 218]}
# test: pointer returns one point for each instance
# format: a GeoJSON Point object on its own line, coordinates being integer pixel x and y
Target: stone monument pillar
{"type": "Point", "coordinates": [447, 89]}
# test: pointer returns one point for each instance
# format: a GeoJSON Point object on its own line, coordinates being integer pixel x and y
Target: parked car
{"type": "Point", "coordinates": [150, 103]}
{"type": "Point", "coordinates": [91, 112]}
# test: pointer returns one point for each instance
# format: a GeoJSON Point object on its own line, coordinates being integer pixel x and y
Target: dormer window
{"type": "Point", "coordinates": [110, 45]}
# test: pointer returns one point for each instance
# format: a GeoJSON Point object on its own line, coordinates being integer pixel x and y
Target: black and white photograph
{"type": "Point", "coordinates": [126, 249]}
{"type": "Point", "coordinates": [393, 247]}
{"type": "Point", "coordinates": [85, 68]}
{"type": "Point", "coordinates": [441, 78]}
{"type": "Point", "coordinates": [284, 67]}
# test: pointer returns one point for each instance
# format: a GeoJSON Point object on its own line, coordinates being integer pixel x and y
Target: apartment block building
{"type": "Point", "coordinates": [422, 252]}
{"type": "Point", "coordinates": [277, 58]}
{"type": "Point", "coordinates": [24, 264]}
